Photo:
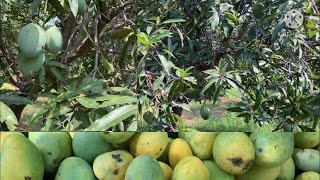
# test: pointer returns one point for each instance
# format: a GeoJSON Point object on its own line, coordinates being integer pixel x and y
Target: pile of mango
{"type": "Point", "coordinates": [160, 156]}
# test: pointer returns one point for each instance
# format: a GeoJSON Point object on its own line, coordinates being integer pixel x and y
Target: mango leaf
{"type": "Point", "coordinates": [173, 21]}
{"type": "Point", "coordinates": [34, 7]}
{"type": "Point", "coordinates": [165, 64]}
{"type": "Point", "coordinates": [36, 116]}
{"type": "Point", "coordinates": [88, 102]}
{"type": "Point", "coordinates": [14, 99]}
{"type": "Point", "coordinates": [113, 118]}
{"type": "Point", "coordinates": [83, 117]}
{"type": "Point", "coordinates": [124, 52]}
{"type": "Point", "coordinates": [57, 64]}
{"type": "Point", "coordinates": [57, 73]}
{"type": "Point", "coordinates": [235, 109]}
{"type": "Point", "coordinates": [214, 20]}
{"type": "Point", "coordinates": [7, 116]}
{"type": "Point", "coordinates": [119, 100]}
{"type": "Point", "coordinates": [277, 30]}
{"type": "Point", "coordinates": [74, 7]}
{"type": "Point", "coordinates": [143, 37]}
{"type": "Point", "coordinates": [57, 6]}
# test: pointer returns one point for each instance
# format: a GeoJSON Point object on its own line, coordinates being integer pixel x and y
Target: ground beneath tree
{"type": "Point", "coordinates": [217, 112]}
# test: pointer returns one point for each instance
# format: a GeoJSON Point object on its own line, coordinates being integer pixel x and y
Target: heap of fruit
{"type": "Point", "coordinates": [33, 40]}
{"type": "Point", "coordinates": [159, 155]}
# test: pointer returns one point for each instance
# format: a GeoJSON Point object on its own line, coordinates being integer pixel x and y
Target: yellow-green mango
{"type": "Point", "coordinates": [306, 140]}
{"type": "Point", "coordinates": [178, 150]}
{"type": "Point", "coordinates": [20, 159]}
{"type": "Point", "coordinates": [287, 170]}
{"type": "Point", "coordinates": [233, 152]}
{"type": "Point", "coordinates": [151, 143]}
{"type": "Point", "coordinates": [112, 165]}
{"type": "Point", "coordinates": [190, 168]}
{"type": "Point", "coordinates": [309, 175]}
{"type": "Point", "coordinates": [201, 143]}
{"type": "Point", "coordinates": [167, 170]}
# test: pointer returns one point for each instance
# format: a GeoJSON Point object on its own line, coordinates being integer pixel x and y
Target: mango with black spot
{"type": "Point", "coordinates": [112, 165]}
{"type": "Point", "coordinates": [233, 152]}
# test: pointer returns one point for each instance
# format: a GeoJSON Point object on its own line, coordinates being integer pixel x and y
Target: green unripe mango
{"type": "Point", "coordinates": [31, 40]}
{"type": "Point", "coordinates": [272, 149]}
{"type": "Point", "coordinates": [89, 145]}
{"type": "Point", "coordinates": [144, 167]}
{"type": "Point", "coordinates": [54, 39]}
{"type": "Point", "coordinates": [307, 160]}
{"type": "Point", "coordinates": [30, 66]}
{"type": "Point", "coordinates": [205, 113]}
{"type": "Point", "coordinates": [287, 170]}
{"type": "Point", "coordinates": [54, 147]}
{"type": "Point", "coordinates": [74, 168]}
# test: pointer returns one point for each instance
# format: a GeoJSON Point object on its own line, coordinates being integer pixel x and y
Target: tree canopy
{"type": "Point", "coordinates": [122, 62]}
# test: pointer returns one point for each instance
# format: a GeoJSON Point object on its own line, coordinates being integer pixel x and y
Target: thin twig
{"type": "Point", "coordinates": [96, 42]}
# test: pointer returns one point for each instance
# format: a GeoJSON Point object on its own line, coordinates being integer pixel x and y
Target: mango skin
{"type": "Point", "coordinates": [118, 137]}
{"type": "Point", "coordinates": [89, 145]}
{"type": "Point", "coordinates": [287, 170]}
{"type": "Point", "coordinates": [144, 167]}
{"type": "Point", "coordinates": [3, 136]}
{"type": "Point", "coordinates": [255, 173]}
{"type": "Point", "coordinates": [164, 156]}
{"type": "Point", "coordinates": [167, 170]}
{"type": "Point", "coordinates": [215, 172]}
{"type": "Point", "coordinates": [307, 160]}
{"type": "Point", "coordinates": [201, 143]}
{"type": "Point", "coordinates": [17, 148]}
{"type": "Point", "coordinates": [74, 168]}
{"type": "Point", "coordinates": [272, 149]}
{"type": "Point", "coordinates": [306, 140]}
{"type": "Point", "coordinates": [151, 143]}
{"type": "Point", "coordinates": [30, 66]}
{"type": "Point", "coordinates": [112, 165]}
{"type": "Point", "coordinates": [178, 150]}
{"type": "Point", "coordinates": [54, 147]}
{"type": "Point", "coordinates": [238, 157]}
{"type": "Point", "coordinates": [309, 175]}
{"type": "Point", "coordinates": [54, 39]}
{"type": "Point", "coordinates": [190, 168]}
{"type": "Point", "coordinates": [31, 40]}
